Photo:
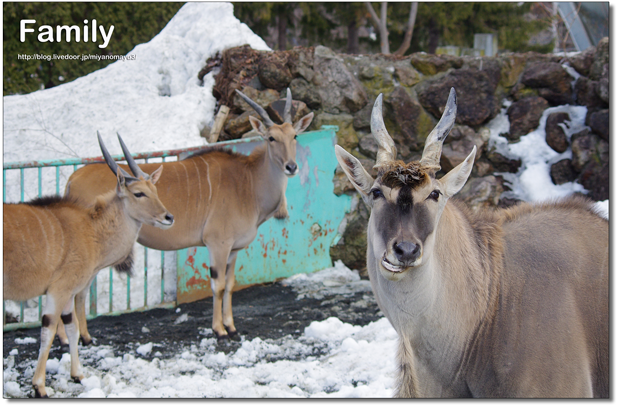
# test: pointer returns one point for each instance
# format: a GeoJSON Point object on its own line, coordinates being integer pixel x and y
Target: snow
{"type": "Point", "coordinates": [156, 102]}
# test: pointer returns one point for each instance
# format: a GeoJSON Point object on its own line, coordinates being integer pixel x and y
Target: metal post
{"type": "Point", "coordinates": [93, 297]}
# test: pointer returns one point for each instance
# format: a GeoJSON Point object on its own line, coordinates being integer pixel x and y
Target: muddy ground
{"type": "Point", "coordinates": [269, 311]}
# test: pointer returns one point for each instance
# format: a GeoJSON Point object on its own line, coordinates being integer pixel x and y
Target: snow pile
{"type": "Point", "coordinates": [282, 368]}
{"type": "Point", "coordinates": [330, 281]}
{"type": "Point", "coordinates": [155, 102]}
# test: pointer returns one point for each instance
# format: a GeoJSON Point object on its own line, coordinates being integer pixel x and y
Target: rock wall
{"type": "Point", "coordinates": [341, 89]}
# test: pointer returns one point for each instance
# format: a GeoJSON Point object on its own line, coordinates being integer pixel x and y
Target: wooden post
{"type": "Point", "coordinates": [218, 124]}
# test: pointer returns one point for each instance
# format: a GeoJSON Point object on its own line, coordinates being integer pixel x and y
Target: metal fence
{"type": "Point", "coordinates": [28, 313]}
{"type": "Point", "coordinates": [165, 279]}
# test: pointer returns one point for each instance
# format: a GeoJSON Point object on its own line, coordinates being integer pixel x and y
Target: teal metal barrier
{"type": "Point", "coordinates": [282, 248]}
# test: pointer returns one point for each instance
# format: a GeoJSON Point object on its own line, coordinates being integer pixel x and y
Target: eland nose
{"type": "Point", "coordinates": [406, 252]}
{"type": "Point", "coordinates": [170, 218]}
{"type": "Point", "coordinates": [291, 168]}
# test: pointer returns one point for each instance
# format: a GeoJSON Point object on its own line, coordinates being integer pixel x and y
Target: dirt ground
{"type": "Point", "coordinates": [269, 311]}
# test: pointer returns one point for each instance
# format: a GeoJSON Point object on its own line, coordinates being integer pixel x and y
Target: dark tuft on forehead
{"type": "Point", "coordinates": [398, 174]}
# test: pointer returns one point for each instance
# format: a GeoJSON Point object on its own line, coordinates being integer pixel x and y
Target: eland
{"type": "Point", "coordinates": [505, 303]}
{"type": "Point", "coordinates": [219, 199]}
{"type": "Point", "coordinates": [56, 245]}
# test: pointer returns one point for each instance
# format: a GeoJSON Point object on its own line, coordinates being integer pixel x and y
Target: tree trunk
{"type": "Point", "coordinates": [353, 43]}
{"type": "Point", "coordinates": [433, 36]}
{"type": "Point", "coordinates": [380, 25]}
{"type": "Point", "coordinates": [282, 31]}
{"type": "Point", "coordinates": [409, 33]}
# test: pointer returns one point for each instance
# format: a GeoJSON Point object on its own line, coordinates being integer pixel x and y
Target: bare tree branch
{"type": "Point", "coordinates": [409, 33]}
{"type": "Point", "coordinates": [381, 25]}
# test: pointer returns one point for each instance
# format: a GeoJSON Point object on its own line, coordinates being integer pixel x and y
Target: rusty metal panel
{"type": "Point", "coordinates": [282, 248]}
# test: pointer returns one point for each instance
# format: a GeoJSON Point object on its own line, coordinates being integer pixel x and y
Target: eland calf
{"type": "Point", "coordinates": [504, 303]}
{"type": "Point", "coordinates": [55, 246]}
{"type": "Point", "coordinates": [219, 198]}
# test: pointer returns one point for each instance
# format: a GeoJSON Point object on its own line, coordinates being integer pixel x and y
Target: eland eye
{"type": "Point", "coordinates": [271, 139]}
{"type": "Point", "coordinates": [140, 194]}
{"type": "Point", "coordinates": [434, 195]}
{"type": "Point", "coordinates": [376, 193]}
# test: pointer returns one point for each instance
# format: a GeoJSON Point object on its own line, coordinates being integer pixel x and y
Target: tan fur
{"type": "Point", "coordinates": [57, 246]}
{"type": "Point", "coordinates": [219, 200]}
{"type": "Point", "coordinates": [507, 303]}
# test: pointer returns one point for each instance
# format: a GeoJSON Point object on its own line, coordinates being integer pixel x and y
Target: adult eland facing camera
{"type": "Point", "coordinates": [504, 303]}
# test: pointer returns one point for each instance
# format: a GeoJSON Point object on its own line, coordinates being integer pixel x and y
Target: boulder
{"type": "Point", "coordinates": [340, 91]}
{"type": "Point", "coordinates": [413, 123]}
{"type": "Point", "coordinates": [346, 135]}
{"type": "Point", "coordinates": [475, 96]}
{"type": "Point", "coordinates": [583, 61]}
{"type": "Point", "coordinates": [599, 123]}
{"type": "Point", "coordinates": [376, 77]}
{"type": "Point", "coordinates": [588, 147]}
{"type": "Point", "coordinates": [551, 80]}
{"type": "Point", "coordinates": [361, 118]}
{"type": "Point", "coordinates": [490, 66]}
{"type": "Point", "coordinates": [595, 178]}
{"type": "Point", "coordinates": [273, 70]}
{"type": "Point", "coordinates": [481, 192]}
{"type": "Point", "coordinates": [458, 146]}
{"type": "Point", "coordinates": [262, 98]}
{"type": "Point", "coordinates": [586, 94]}
{"type": "Point", "coordinates": [601, 58]}
{"type": "Point", "coordinates": [276, 110]}
{"type": "Point", "coordinates": [563, 172]}
{"type": "Point", "coordinates": [512, 66]}
{"type": "Point", "coordinates": [303, 90]}
{"type": "Point", "coordinates": [368, 146]}
{"type": "Point", "coordinates": [301, 63]}
{"type": "Point", "coordinates": [524, 116]}
{"type": "Point", "coordinates": [406, 74]}
{"type": "Point", "coordinates": [351, 248]}
{"type": "Point", "coordinates": [237, 125]}
{"type": "Point", "coordinates": [602, 90]}
{"type": "Point", "coordinates": [501, 163]}
{"type": "Point", "coordinates": [555, 136]}
{"type": "Point", "coordinates": [431, 64]}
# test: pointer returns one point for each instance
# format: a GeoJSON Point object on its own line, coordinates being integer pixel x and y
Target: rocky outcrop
{"type": "Point", "coordinates": [341, 89]}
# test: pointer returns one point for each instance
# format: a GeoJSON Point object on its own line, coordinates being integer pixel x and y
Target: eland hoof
{"type": "Point", "coordinates": [234, 336]}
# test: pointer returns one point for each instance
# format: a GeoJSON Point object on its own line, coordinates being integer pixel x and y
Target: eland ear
{"type": "Point", "coordinates": [120, 183]}
{"type": "Point", "coordinates": [303, 123]}
{"type": "Point", "coordinates": [258, 126]}
{"type": "Point", "coordinates": [156, 174]}
{"type": "Point", "coordinates": [356, 173]}
{"type": "Point", "coordinates": [454, 181]}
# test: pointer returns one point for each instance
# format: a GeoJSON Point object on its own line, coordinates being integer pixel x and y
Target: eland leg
{"type": "Point", "coordinates": [80, 311]}
{"type": "Point", "coordinates": [49, 324]}
{"type": "Point", "coordinates": [70, 321]}
{"type": "Point", "coordinates": [229, 323]}
{"type": "Point", "coordinates": [219, 261]}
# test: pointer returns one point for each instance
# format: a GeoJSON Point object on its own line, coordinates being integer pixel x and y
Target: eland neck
{"type": "Point", "coordinates": [115, 229]}
{"type": "Point", "coordinates": [268, 180]}
{"type": "Point", "coordinates": [451, 295]}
